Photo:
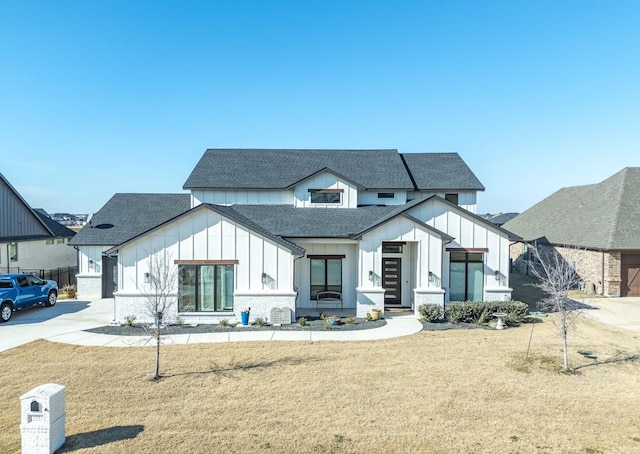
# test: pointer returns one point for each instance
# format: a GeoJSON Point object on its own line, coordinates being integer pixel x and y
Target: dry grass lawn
{"type": "Point", "coordinates": [453, 391]}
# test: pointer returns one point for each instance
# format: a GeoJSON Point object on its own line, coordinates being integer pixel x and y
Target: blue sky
{"type": "Point", "coordinates": [99, 97]}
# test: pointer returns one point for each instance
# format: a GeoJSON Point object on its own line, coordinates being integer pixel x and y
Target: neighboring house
{"type": "Point", "coordinates": [596, 228]}
{"type": "Point", "coordinates": [499, 219]}
{"type": "Point", "coordinates": [272, 228]}
{"type": "Point", "coordinates": [70, 220]}
{"type": "Point", "coordinates": [30, 239]}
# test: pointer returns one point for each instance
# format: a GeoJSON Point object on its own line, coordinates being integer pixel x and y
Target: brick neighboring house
{"type": "Point", "coordinates": [595, 227]}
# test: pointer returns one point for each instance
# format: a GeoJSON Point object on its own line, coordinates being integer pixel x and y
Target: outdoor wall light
{"type": "Point", "coordinates": [371, 276]}
{"type": "Point", "coordinates": [497, 273]}
{"type": "Point", "coordinates": [264, 278]}
{"type": "Point", "coordinates": [147, 278]}
{"type": "Point", "coordinates": [430, 276]}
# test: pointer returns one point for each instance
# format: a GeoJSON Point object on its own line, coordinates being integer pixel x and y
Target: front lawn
{"type": "Point", "coordinates": [436, 391]}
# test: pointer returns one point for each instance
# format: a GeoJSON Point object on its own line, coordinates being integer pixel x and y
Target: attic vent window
{"type": "Point", "coordinates": [386, 195]}
{"type": "Point", "coordinates": [104, 226]}
{"type": "Point", "coordinates": [453, 198]}
{"type": "Point", "coordinates": [326, 195]}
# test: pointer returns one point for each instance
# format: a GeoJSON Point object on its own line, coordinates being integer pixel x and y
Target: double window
{"type": "Point", "coordinates": [326, 274]}
{"type": "Point", "coordinates": [466, 276]}
{"type": "Point", "coordinates": [205, 288]}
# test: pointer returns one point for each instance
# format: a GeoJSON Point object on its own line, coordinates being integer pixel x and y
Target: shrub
{"type": "Point", "coordinates": [129, 320]}
{"type": "Point", "coordinates": [350, 320]}
{"type": "Point", "coordinates": [431, 312]}
{"type": "Point", "coordinates": [260, 321]}
{"type": "Point", "coordinates": [482, 312]}
{"type": "Point", "coordinates": [223, 323]}
{"type": "Point", "coordinates": [302, 321]}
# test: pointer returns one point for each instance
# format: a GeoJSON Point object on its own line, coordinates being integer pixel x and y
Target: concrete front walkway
{"type": "Point", "coordinates": [397, 326]}
{"type": "Point", "coordinates": [67, 320]}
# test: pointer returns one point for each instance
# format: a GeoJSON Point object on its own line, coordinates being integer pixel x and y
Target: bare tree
{"type": "Point", "coordinates": [160, 295]}
{"type": "Point", "coordinates": [556, 277]}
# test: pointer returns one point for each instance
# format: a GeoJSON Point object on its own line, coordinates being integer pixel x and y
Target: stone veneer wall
{"type": "Point", "coordinates": [601, 268]}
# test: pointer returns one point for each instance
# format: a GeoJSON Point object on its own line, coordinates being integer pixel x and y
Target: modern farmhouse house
{"type": "Point", "coordinates": [351, 230]}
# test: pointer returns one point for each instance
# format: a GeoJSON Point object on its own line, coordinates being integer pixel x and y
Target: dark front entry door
{"type": "Point", "coordinates": [391, 280]}
{"type": "Point", "coordinates": [630, 274]}
{"type": "Point", "coordinates": [109, 276]}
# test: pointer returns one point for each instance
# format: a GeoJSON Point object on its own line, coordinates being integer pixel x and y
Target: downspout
{"type": "Point", "coordinates": [602, 285]}
{"type": "Point", "coordinates": [8, 269]}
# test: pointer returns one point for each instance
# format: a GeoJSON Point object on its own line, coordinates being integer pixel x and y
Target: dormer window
{"type": "Point", "coordinates": [326, 195]}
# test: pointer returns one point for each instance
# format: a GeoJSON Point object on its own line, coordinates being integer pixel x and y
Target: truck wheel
{"type": "Point", "coordinates": [5, 312]}
{"type": "Point", "coordinates": [51, 299]}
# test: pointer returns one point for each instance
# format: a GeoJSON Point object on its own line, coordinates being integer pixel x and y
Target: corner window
{"type": "Point", "coordinates": [326, 195]}
{"type": "Point", "coordinates": [205, 288]}
{"type": "Point", "coordinates": [326, 274]}
{"type": "Point", "coordinates": [60, 241]}
{"type": "Point", "coordinates": [13, 252]}
{"type": "Point", "coordinates": [50, 241]}
{"type": "Point", "coordinates": [453, 198]}
{"type": "Point", "coordinates": [466, 272]}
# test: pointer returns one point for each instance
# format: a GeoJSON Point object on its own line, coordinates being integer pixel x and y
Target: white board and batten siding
{"type": "Point", "coordinates": [325, 180]}
{"type": "Point", "coordinates": [242, 197]}
{"type": "Point", "coordinates": [468, 233]}
{"type": "Point", "coordinates": [370, 197]}
{"type": "Point", "coordinates": [466, 199]}
{"type": "Point", "coordinates": [425, 247]}
{"type": "Point", "coordinates": [349, 271]}
{"type": "Point", "coordinates": [206, 235]}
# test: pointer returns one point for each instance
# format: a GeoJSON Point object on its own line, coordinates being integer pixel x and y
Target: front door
{"type": "Point", "coordinates": [391, 280]}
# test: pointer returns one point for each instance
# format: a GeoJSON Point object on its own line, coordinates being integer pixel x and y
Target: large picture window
{"type": "Point", "coordinates": [205, 288]}
{"type": "Point", "coordinates": [466, 276]}
{"type": "Point", "coordinates": [326, 274]}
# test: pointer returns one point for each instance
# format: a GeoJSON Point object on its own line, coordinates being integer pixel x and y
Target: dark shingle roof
{"type": "Point", "coordinates": [280, 169]}
{"type": "Point", "coordinates": [605, 215]}
{"type": "Point", "coordinates": [441, 171]}
{"type": "Point", "coordinates": [126, 216]}
{"type": "Point", "coordinates": [289, 221]}
{"type": "Point", "coordinates": [58, 230]}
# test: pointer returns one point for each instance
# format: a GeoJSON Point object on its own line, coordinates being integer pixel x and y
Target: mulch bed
{"type": "Point", "coordinates": [313, 324]}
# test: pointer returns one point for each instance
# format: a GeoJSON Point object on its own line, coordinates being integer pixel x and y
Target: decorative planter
{"type": "Point", "coordinates": [335, 320]}
{"type": "Point", "coordinates": [245, 318]}
{"type": "Point", "coordinates": [375, 314]}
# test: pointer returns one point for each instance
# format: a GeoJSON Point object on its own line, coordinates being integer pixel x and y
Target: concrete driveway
{"type": "Point", "coordinates": [620, 312]}
{"type": "Point", "coordinates": [42, 322]}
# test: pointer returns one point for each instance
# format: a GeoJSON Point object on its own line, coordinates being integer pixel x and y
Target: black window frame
{"type": "Point", "coordinates": [452, 197]}
{"type": "Point", "coordinates": [314, 289]}
{"type": "Point", "coordinates": [196, 284]}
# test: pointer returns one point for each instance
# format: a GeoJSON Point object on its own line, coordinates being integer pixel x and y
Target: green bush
{"type": "Point", "coordinates": [431, 312]}
{"type": "Point", "coordinates": [482, 312]}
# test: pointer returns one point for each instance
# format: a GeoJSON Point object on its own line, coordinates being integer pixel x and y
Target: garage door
{"type": "Point", "coordinates": [630, 275]}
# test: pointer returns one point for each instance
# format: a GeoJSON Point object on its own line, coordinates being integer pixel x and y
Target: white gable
{"type": "Point", "coordinates": [329, 181]}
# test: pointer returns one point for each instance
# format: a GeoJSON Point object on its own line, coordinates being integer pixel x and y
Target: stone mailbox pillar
{"type": "Point", "coordinates": [43, 418]}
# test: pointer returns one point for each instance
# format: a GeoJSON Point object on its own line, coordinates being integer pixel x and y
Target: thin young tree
{"type": "Point", "coordinates": [556, 278]}
{"type": "Point", "coordinates": [160, 295]}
